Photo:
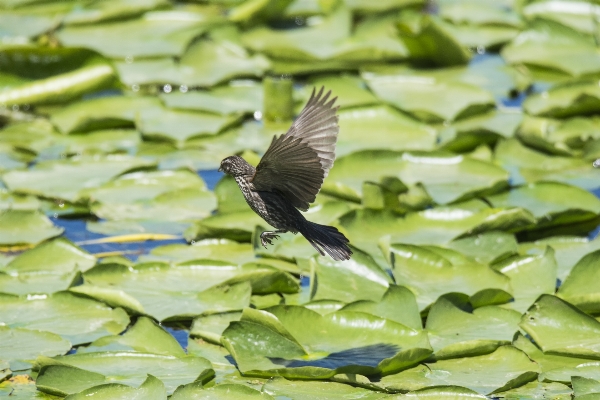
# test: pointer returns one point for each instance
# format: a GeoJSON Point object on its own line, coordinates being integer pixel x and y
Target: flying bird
{"type": "Point", "coordinates": [290, 174]}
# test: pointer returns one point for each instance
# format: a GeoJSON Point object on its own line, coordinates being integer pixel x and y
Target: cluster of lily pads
{"type": "Point", "coordinates": [464, 182]}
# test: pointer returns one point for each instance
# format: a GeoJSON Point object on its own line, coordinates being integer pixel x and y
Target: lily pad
{"type": "Point", "coordinates": [560, 328]}
{"type": "Point", "coordinates": [205, 63]}
{"type": "Point", "coordinates": [82, 320]}
{"type": "Point", "coordinates": [195, 391]}
{"type": "Point", "coordinates": [160, 33]}
{"type": "Point", "coordinates": [487, 247]}
{"type": "Point", "coordinates": [530, 276]}
{"type": "Point", "coordinates": [504, 369]}
{"type": "Point", "coordinates": [443, 175]}
{"type": "Point", "coordinates": [20, 347]}
{"type": "Point", "coordinates": [577, 16]}
{"type": "Point", "coordinates": [551, 203]}
{"type": "Point", "coordinates": [351, 91]}
{"type": "Point", "coordinates": [210, 327]}
{"type": "Point", "coordinates": [101, 142]}
{"type": "Point", "coordinates": [25, 227]}
{"type": "Point", "coordinates": [151, 389]}
{"type": "Point", "coordinates": [304, 390]}
{"type": "Point", "coordinates": [454, 332]}
{"type": "Point", "coordinates": [578, 98]}
{"type": "Point", "coordinates": [538, 390]}
{"type": "Point", "coordinates": [585, 387]}
{"type": "Point", "coordinates": [555, 47]}
{"type": "Point", "coordinates": [101, 113]}
{"type": "Point", "coordinates": [111, 10]}
{"type": "Point", "coordinates": [168, 292]}
{"type": "Point", "coordinates": [48, 282]}
{"type": "Point", "coordinates": [238, 97]}
{"type": "Point", "coordinates": [579, 289]}
{"type": "Point", "coordinates": [212, 249]}
{"type": "Point", "coordinates": [289, 347]}
{"type": "Point", "coordinates": [145, 336]}
{"type": "Point", "coordinates": [73, 373]}
{"type": "Point", "coordinates": [430, 271]}
{"type": "Point", "coordinates": [428, 96]}
{"type": "Point", "coordinates": [65, 179]}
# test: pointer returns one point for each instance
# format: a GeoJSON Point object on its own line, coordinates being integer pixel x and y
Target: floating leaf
{"type": "Point", "coordinates": [145, 336]}
{"type": "Point", "coordinates": [578, 98]}
{"type": "Point", "coordinates": [428, 96]}
{"type": "Point", "coordinates": [530, 277]}
{"type": "Point", "coordinates": [504, 369]}
{"type": "Point", "coordinates": [101, 113]}
{"type": "Point", "coordinates": [351, 342]}
{"type": "Point", "coordinates": [65, 179]}
{"type": "Point", "coordinates": [486, 248]}
{"type": "Point", "coordinates": [579, 289]}
{"type": "Point", "coordinates": [538, 390]}
{"type": "Point", "coordinates": [76, 372]}
{"type": "Point", "coordinates": [168, 292]}
{"type": "Point", "coordinates": [210, 327]}
{"type": "Point", "coordinates": [583, 387]}
{"type": "Point", "coordinates": [454, 332]}
{"type": "Point", "coordinates": [151, 389]}
{"type": "Point", "coordinates": [243, 97]}
{"type": "Point", "coordinates": [430, 272]}
{"type": "Point", "coordinates": [81, 320]}
{"type": "Point", "coordinates": [350, 90]}
{"type": "Point", "coordinates": [111, 10]}
{"type": "Point", "coordinates": [25, 227]}
{"type": "Point", "coordinates": [223, 391]}
{"type": "Point", "coordinates": [560, 328]}
{"type": "Point", "coordinates": [222, 249]}
{"type": "Point", "coordinates": [20, 347]}
{"type": "Point", "coordinates": [160, 33]}
{"type": "Point", "coordinates": [306, 390]}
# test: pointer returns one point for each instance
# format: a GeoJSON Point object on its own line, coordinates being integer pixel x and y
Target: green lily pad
{"type": "Point", "coordinates": [244, 97]}
{"type": "Point", "coordinates": [210, 327]}
{"type": "Point", "coordinates": [350, 342]}
{"type": "Point", "coordinates": [57, 255]}
{"type": "Point", "coordinates": [25, 227]}
{"type": "Point", "coordinates": [589, 370]}
{"type": "Point", "coordinates": [359, 278]}
{"type": "Point", "coordinates": [577, 16]}
{"type": "Point", "coordinates": [48, 282]}
{"type": "Point", "coordinates": [305, 390]}
{"type": "Point", "coordinates": [488, 128]}
{"type": "Point", "coordinates": [102, 113]}
{"type": "Point", "coordinates": [195, 391]}
{"type": "Point", "coordinates": [479, 13]}
{"type": "Point", "coordinates": [560, 328]}
{"type": "Point", "coordinates": [81, 320]}
{"type": "Point", "coordinates": [551, 203]}
{"type": "Point", "coordinates": [579, 289]}
{"type": "Point", "coordinates": [10, 158]}
{"type": "Point", "coordinates": [351, 91]}
{"type": "Point", "coordinates": [211, 249]}
{"type": "Point", "coordinates": [454, 332]}
{"type": "Point", "coordinates": [437, 226]}
{"type": "Point", "coordinates": [555, 47]}
{"type": "Point", "coordinates": [504, 369]}
{"type": "Point", "coordinates": [568, 251]}
{"type": "Point", "coordinates": [547, 361]}
{"type": "Point", "coordinates": [152, 389]}
{"type": "Point", "coordinates": [446, 177]}
{"type": "Point", "coordinates": [583, 387]}
{"type": "Point", "coordinates": [397, 304]}
{"type": "Point", "coordinates": [4, 370]}
{"type": "Point", "coordinates": [111, 10]}
{"type": "Point", "coordinates": [145, 336]}
{"type": "Point", "coordinates": [20, 26]}
{"type": "Point", "coordinates": [578, 98]}
{"type": "Point", "coordinates": [168, 292]}
{"type": "Point", "coordinates": [109, 141]}
{"type": "Point", "coordinates": [431, 40]}
{"type": "Point", "coordinates": [428, 96]}
{"type": "Point", "coordinates": [160, 33]}
{"type": "Point", "coordinates": [34, 136]}
{"type": "Point", "coordinates": [73, 373]}
{"type": "Point", "coordinates": [530, 276]}
{"type": "Point", "coordinates": [368, 7]}
{"type": "Point", "coordinates": [538, 390]}
{"type": "Point", "coordinates": [65, 179]}
{"type": "Point", "coordinates": [233, 226]}
{"type": "Point", "coordinates": [389, 129]}
{"type": "Point", "coordinates": [205, 63]}
{"type": "Point", "coordinates": [487, 247]}
{"type": "Point", "coordinates": [430, 271]}
{"type": "Point", "coordinates": [20, 347]}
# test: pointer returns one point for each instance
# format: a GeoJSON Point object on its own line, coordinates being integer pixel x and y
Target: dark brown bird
{"type": "Point", "coordinates": [290, 174]}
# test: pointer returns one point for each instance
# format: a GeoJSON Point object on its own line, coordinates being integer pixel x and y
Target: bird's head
{"type": "Point", "coordinates": [236, 166]}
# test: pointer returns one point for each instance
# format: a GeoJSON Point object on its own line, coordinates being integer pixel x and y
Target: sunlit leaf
{"type": "Point", "coordinates": [579, 289]}
{"type": "Point", "coordinates": [25, 227]}
{"type": "Point", "coordinates": [20, 347]}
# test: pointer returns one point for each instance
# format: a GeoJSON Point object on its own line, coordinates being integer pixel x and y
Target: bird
{"type": "Point", "coordinates": [290, 175]}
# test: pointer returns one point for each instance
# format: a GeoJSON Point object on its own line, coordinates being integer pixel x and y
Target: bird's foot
{"type": "Point", "coordinates": [267, 237]}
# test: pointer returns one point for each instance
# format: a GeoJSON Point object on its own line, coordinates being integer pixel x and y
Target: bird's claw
{"type": "Point", "coordinates": [267, 238]}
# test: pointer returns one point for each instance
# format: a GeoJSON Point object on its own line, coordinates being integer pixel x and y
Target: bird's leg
{"type": "Point", "coordinates": [267, 236]}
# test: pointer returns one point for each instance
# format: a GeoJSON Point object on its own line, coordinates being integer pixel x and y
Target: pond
{"type": "Point", "coordinates": [131, 268]}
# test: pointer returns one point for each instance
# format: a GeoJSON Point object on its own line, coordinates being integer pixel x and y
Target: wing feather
{"type": "Point", "coordinates": [295, 164]}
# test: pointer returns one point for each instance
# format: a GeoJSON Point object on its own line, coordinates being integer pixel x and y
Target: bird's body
{"type": "Point", "coordinates": [290, 175]}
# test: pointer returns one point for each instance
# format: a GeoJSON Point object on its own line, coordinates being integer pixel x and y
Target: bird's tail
{"type": "Point", "coordinates": [327, 239]}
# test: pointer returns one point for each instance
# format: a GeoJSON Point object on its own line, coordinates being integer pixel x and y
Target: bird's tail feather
{"type": "Point", "coordinates": [327, 239]}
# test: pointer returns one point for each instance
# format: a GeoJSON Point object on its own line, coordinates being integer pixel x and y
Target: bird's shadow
{"type": "Point", "coordinates": [368, 356]}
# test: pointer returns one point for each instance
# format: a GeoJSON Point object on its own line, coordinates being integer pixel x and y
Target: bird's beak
{"type": "Point", "coordinates": [220, 169]}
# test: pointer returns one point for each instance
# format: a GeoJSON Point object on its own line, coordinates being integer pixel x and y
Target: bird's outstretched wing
{"type": "Point", "coordinates": [295, 164]}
